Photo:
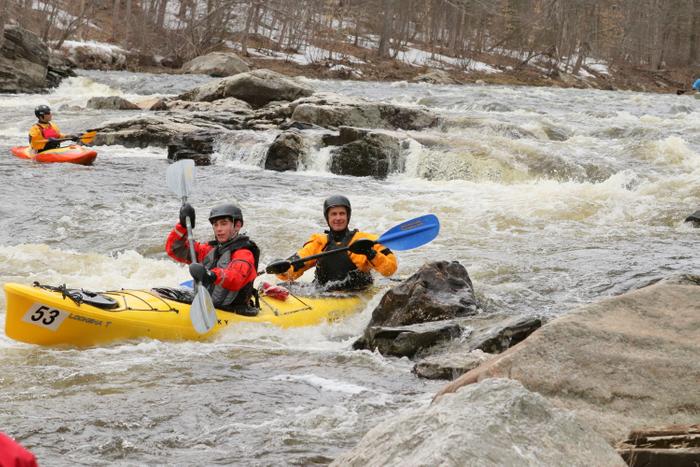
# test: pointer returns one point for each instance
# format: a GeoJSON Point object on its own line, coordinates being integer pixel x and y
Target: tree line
{"type": "Point", "coordinates": [650, 34]}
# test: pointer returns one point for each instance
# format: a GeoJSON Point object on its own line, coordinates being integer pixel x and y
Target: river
{"type": "Point", "coordinates": [551, 198]}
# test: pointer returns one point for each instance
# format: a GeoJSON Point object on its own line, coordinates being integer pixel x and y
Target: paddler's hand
{"type": "Point", "coordinates": [363, 246]}
{"type": "Point", "coordinates": [74, 137]}
{"type": "Point", "coordinates": [202, 275]}
{"type": "Point", "coordinates": [278, 266]}
{"type": "Point", "coordinates": [186, 211]}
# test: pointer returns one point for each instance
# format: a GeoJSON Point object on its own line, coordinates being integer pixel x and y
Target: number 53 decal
{"type": "Point", "coordinates": [44, 316]}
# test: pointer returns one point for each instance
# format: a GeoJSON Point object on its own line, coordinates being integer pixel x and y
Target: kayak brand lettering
{"type": "Point", "coordinates": [87, 320]}
{"type": "Point", "coordinates": [44, 316]}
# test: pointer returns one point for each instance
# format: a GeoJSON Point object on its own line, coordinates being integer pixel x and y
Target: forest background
{"type": "Point", "coordinates": [649, 45]}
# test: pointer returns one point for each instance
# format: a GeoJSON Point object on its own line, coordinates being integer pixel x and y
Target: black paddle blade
{"type": "Point", "coordinates": [278, 267]}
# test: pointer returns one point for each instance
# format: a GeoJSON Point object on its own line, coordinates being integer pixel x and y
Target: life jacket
{"type": "Point", "coordinates": [46, 133]}
{"type": "Point", "coordinates": [338, 272]}
{"type": "Point", "coordinates": [220, 257]}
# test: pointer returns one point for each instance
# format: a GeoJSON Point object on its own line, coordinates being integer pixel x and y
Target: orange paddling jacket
{"type": "Point", "coordinates": [342, 271]}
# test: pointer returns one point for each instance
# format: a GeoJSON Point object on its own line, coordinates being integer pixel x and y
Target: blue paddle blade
{"type": "Point", "coordinates": [189, 283]}
{"type": "Point", "coordinates": [412, 233]}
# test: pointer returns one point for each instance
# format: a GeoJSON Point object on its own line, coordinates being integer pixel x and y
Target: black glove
{"type": "Point", "coordinates": [74, 137]}
{"type": "Point", "coordinates": [278, 266]}
{"type": "Point", "coordinates": [202, 274]}
{"type": "Point", "coordinates": [186, 211]}
{"type": "Point", "coordinates": [363, 246]}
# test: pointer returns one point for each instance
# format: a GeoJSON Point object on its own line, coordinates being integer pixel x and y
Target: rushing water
{"type": "Point", "coordinates": [551, 198]}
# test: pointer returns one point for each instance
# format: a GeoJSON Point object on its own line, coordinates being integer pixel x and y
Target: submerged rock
{"type": "Point", "coordinates": [494, 423]}
{"type": "Point", "coordinates": [694, 218]}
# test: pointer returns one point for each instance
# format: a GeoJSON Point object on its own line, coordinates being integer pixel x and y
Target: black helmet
{"type": "Point", "coordinates": [335, 201]}
{"type": "Point", "coordinates": [41, 110]}
{"type": "Point", "coordinates": [226, 210]}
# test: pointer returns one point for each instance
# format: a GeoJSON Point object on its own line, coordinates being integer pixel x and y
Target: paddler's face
{"type": "Point", "coordinates": [225, 229]}
{"type": "Point", "coordinates": [46, 118]}
{"type": "Point", "coordinates": [337, 218]}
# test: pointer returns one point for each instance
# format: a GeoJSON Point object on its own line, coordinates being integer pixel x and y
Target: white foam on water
{"type": "Point", "coordinates": [323, 383]}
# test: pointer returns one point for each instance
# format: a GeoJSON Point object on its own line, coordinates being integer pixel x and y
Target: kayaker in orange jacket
{"type": "Point", "coordinates": [226, 266]}
{"type": "Point", "coordinates": [347, 270]}
{"type": "Point", "coordinates": [44, 133]}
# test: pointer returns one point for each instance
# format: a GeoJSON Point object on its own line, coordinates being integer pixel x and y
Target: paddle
{"type": "Point", "coordinates": [180, 179]}
{"type": "Point", "coordinates": [85, 138]}
{"type": "Point", "coordinates": [405, 236]}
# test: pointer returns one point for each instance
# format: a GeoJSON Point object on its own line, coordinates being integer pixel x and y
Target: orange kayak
{"type": "Point", "coordinates": [74, 153]}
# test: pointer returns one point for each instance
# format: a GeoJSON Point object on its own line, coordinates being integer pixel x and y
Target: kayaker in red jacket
{"type": "Point", "coordinates": [348, 270]}
{"type": "Point", "coordinates": [226, 266]}
{"type": "Point", "coordinates": [44, 133]}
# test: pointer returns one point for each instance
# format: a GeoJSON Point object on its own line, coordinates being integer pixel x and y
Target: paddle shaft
{"type": "Point", "coordinates": [190, 238]}
{"type": "Point", "coordinates": [85, 138]}
{"type": "Point", "coordinates": [320, 255]}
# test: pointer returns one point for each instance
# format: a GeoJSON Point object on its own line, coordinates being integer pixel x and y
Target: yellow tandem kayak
{"type": "Point", "coordinates": [54, 316]}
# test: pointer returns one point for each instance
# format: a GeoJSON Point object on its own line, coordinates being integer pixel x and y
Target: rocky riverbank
{"type": "Point", "coordinates": [28, 64]}
{"type": "Point", "coordinates": [621, 365]}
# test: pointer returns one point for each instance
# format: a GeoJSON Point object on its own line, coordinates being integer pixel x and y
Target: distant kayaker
{"type": "Point", "coordinates": [226, 266]}
{"type": "Point", "coordinates": [347, 270]}
{"type": "Point", "coordinates": [696, 85]}
{"type": "Point", "coordinates": [44, 134]}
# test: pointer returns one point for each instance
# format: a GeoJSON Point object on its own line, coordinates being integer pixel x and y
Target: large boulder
{"type": "Point", "coordinates": [111, 103]}
{"type": "Point", "coordinates": [197, 145]}
{"type": "Point", "coordinates": [285, 151]}
{"type": "Point", "coordinates": [372, 154]}
{"type": "Point", "coordinates": [495, 423]}
{"type": "Point", "coordinates": [217, 64]}
{"type": "Point", "coordinates": [438, 290]}
{"type": "Point", "coordinates": [333, 111]}
{"type": "Point", "coordinates": [621, 363]}
{"type": "Point", "coordinates": [59, 67]}
{"type": "Point", "coordinates": [142, 132]}
{"type": "Point", "coordinates": [24, 61]}
{"type": "Point", "coordinates": [95, 56]}
{"type": "Point", "coordinates": [258, 87]}
{"type": "Point", "coordinates": [435, 76]}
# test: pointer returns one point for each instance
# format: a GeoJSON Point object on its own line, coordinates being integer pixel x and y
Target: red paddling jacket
{"type": "Point", "coordinates": [234, 262]}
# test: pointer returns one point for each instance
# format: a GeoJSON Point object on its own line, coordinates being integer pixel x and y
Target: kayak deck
{"type": "Point", "coordinates": [36, 315]}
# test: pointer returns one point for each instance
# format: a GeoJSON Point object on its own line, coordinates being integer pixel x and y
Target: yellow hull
{"type": "Point", "coordinates": [44, 317]}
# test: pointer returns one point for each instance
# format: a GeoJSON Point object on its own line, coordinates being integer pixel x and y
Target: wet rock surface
{"type": "Point", "coordinates": [285, 151]}
{"type": "Point", "coordinates": [621, 363]}
{"type": "Point", "coordinates": [494, 423]}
